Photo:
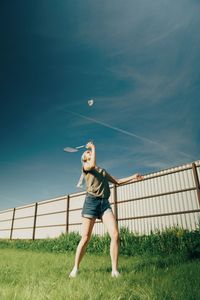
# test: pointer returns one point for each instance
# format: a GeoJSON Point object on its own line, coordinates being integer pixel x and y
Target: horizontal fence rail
{"type": "Point", "coordinates": [163, 199]}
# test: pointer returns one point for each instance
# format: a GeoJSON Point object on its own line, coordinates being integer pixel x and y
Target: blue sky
{"type": "Point", "coordinates": [139, 61]}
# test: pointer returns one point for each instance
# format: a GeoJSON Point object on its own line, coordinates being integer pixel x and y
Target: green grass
{"type": "Point", "coordinates": [26, 275]}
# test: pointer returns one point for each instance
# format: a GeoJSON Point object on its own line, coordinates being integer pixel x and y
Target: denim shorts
{"type": "Point", "coordinates": [95, 207]}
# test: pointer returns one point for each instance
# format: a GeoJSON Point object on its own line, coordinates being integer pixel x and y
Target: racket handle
{"type": "Point", "coordinates": [80, 147]}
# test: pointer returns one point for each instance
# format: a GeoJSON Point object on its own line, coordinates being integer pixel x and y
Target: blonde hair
{"type": "Point", "coordinates": [81, 179]}
{"type": "Point", "coordinates": [83, 157]}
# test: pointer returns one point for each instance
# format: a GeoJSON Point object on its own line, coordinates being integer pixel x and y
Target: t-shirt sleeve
{"type": "Point", "coordinates": [110, 178]}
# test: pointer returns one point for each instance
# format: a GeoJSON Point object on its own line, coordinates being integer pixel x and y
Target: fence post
{"type": "Point", "coordinates": [67, 214]}
{"type": "Point", "coordinates": [34, 222]}
{"type": "Point", "coordinates": [196, 179]}
{"type": "Point", "coordinates": [12, 224]}
{"type": "Point", "coordinates": [115, 201]}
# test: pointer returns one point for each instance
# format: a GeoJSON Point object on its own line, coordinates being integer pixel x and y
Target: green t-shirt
{"type": "Point", "coordinates": [97, 182]}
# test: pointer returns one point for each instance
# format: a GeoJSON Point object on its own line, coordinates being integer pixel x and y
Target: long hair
{"type": "Point", "coordinates": [81, 179]}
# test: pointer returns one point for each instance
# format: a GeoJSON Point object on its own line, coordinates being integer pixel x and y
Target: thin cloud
{"type": "Point", "coordinates": [139, 137]}
{"type": "Point", "coordinates": [144, 139]}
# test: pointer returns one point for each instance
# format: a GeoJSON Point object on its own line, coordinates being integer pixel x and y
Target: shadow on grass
{"type": "Point", "coordinates": [140, 264]}
{"type": "Point", "coordinates": [158, 262]}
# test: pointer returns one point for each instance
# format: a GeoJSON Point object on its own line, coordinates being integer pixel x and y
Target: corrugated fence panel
{"type": "Point", "coordinates": [51, 218]}
{"type": "Point", "coordinates": [24, 211]}
{"type": "Point", "coordinates": [76, 200]}
{"type": "Point", "coordinates": [49, 232]}
{"type": "Point", "coordinates": [75, 228]}
{"type": "Point", "coordinates": [75, 207]}
{"type": "Point", "coordinates": [4, 234]}
{"type": "Point", "coordinates": [5, 215]}
{"type": "Point", "coordinates": [99, 228]}
{"type": "Point", "coordinates": [51, 206]}
{"type": "Point", "coordinates": [171, 194]}
{"type": "Point", "coordinates": [6, 223]}
{"type": "Point", "coordinates": [22, 233]}
{"type": "Point", "coordinates": [23, 222]}
{"type": "Point", "coordinates": [163, 199]}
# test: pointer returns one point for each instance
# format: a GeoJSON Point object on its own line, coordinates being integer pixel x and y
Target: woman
{"type": "Point", "coordinates": [96, 205]}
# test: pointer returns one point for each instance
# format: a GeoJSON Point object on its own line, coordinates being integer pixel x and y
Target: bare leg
{"type": "Point", "coordinates": [86, 234]}
{"type": "Point", "coordinates": [111, 225]}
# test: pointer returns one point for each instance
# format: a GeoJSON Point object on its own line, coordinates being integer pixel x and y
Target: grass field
{"type": "Point", "coordinates": [33, 275]}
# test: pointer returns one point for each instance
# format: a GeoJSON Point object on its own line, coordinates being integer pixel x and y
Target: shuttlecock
{"type": "Point", "coordinates": [90, 102]}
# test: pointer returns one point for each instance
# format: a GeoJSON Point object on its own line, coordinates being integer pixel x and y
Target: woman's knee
{"type": "Point", "coordinates": [115, 235]}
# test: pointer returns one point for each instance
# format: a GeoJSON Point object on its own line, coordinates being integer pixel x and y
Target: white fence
{"type": "Point", "coordinates": [164, 199]}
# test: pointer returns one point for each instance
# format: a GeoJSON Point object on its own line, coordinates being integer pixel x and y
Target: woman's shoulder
{"type": "Point", "coordinates": [101, 170]}
{"type": "Point", "coordinates": [97, 169]}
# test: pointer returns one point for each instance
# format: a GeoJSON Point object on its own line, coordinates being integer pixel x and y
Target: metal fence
{"type": "Point", "coordinates": [163, 199]}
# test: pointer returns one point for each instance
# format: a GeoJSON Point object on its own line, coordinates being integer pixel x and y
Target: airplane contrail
{"type": "Point", "coordinates": [139, 137]}
{"type": "Point", "coordinates": [144, 139]}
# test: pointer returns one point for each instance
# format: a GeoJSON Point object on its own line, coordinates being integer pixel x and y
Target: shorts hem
{"type": "Point", "coordinates": [89, 216]}
{"type": "Point", "coordinates": [107, 211]}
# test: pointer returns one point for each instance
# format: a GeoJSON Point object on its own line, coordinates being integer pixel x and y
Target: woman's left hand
{"type": "Point", "coordinates": [90, 145]}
